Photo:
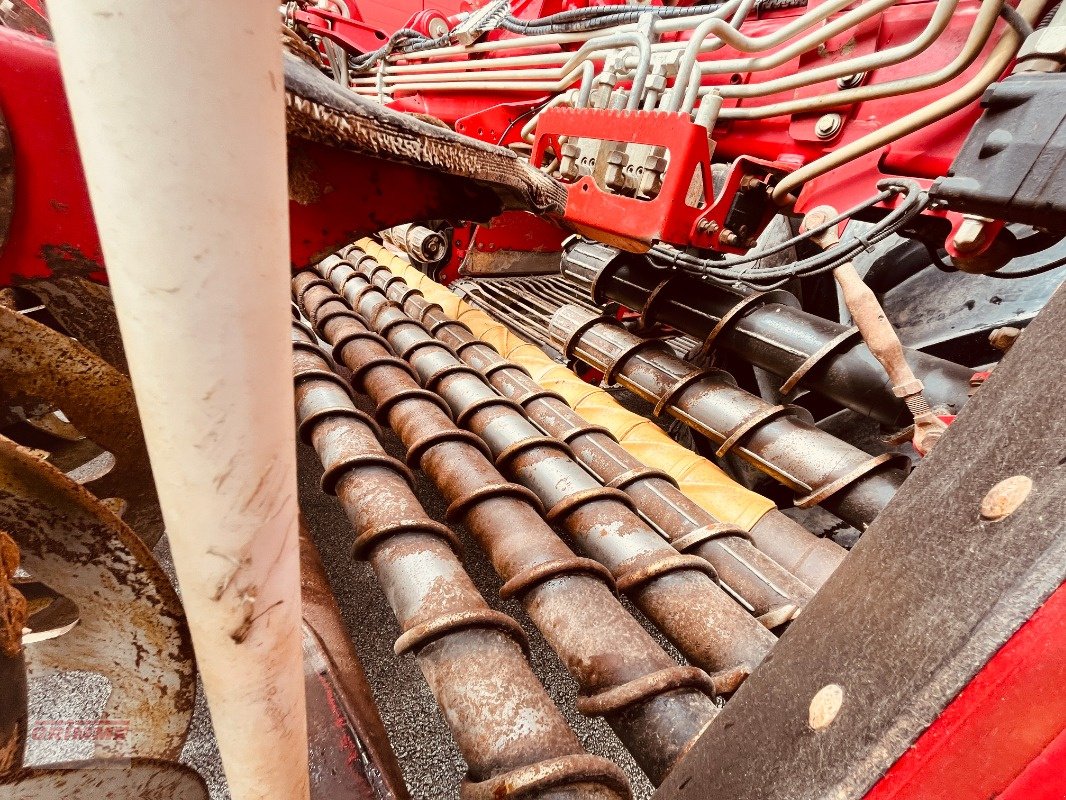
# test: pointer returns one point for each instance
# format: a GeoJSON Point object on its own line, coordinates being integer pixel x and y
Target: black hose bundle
{"type": "Point", "coordinates": [746, 270]}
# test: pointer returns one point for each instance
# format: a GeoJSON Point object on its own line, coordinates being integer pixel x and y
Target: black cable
{"type": "Point", "coordinates": [725, 270]}
{"type": "Point", "coordinates": [594, 17]}
{"type": "Point", "coordinates": [519, 118]}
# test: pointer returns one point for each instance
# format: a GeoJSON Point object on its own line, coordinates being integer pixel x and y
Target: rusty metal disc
{"type": "Point", "coordinates": [131, 630]}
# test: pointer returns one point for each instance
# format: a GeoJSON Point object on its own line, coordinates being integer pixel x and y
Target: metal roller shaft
{"type": "Point", "coordinates": [759, 583]}
{"type": "Point", "coordinates": [806, 350]}
{"type": "Point", "coordinates": [808, 557]}
{"type": "Point", "coordinates": [781, 441]}
{"type": "Point", "coordinates": [676, 592]}
{"type": "Point", "coordinates": [655, 706]}
{"type": "Point", "coordinates": [507, 728]}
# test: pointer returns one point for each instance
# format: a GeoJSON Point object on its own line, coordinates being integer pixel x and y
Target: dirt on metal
{"type": "Point", "coordinates": [473, 659]}
{"type": "Point", "coordinates": [768, 590]}
{"type": "Point", "coordinates": [781, 441]}
{"type": "Point", "coordinates": [623, 673]}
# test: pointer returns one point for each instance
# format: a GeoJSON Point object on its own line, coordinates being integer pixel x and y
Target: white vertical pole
{"type": "Point", "coordinates": [178, 108]}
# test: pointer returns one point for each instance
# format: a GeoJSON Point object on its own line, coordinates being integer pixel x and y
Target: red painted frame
{"type": "Point", "coordinates": [668, 217]}
{"type": "Point", "coordinates": [52, 225]}
{"type": "Point", "coordinates": [1004, 735]}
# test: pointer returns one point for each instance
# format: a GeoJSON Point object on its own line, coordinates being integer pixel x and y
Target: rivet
{"type": "Point", "coordinates": [825, 705]}
{"type": "Point", "coordinates": [1004, 498]}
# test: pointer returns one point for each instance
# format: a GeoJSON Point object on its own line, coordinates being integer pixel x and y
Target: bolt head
{"type": "Point", "coordinates": [851, 81]}
{"type": "Point", "coordinates": [970, 234]}
{"type": "Point", "coordinates": [1003, 338]}
{"type": "Point", "coordinates": [437, 27]}
{"type": "Point", "coordinates": [828, 125]}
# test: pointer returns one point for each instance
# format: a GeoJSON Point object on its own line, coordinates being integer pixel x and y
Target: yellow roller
{"type": "Point", "coordinates": [698, 478]}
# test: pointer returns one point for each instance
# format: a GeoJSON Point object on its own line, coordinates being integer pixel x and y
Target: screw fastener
{"type": "Point", "coordinates": [828, 125]}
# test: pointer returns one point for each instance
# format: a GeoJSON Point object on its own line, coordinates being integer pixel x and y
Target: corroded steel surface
{"type": "Point", "coordinates": [503, 721]}
{"type": "Point", "coordinates": [13, 709]}
{"type": "Point", "coordinates": [351, 754]}
{"type": "Point", "coordinates": [568, 598]}
{"type": "Point", "coordinates": [677, 592]}
{"type": "Point", "coordinates": [781, 441]}
{"type": "Point", "coordinates": [132, 629]}
{"type": "Point", "coordinates": [138, 779]}
{"type": "Point", "coordinates": [42, 364]}
{"type": "Point", "coordinates": [760, 583]}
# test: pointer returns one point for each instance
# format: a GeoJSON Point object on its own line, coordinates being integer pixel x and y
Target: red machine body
{"type": "Point", "coordinates": [998, 738]}
{"type": "Point", "coordinates": [779, 143]}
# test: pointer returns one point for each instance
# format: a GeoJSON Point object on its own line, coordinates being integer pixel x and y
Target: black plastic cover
{"type": "Point", "coordinates": [1013, 164]}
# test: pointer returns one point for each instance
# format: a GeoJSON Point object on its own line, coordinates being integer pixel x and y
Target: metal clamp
{"type": "Point", "coordinates": [572, 502]}
{"type": "Point", "coordinates": [528, 578]}
{"type": "Point", "coordinates": [423, 634]}
{"type": "Point", "coordinates": [334, 472]}
{"type": "Point", "coordinates": [675, 391]}
{"type": "Point", "coordinates": [449, 369]}
{"type": "Point", "coordinates": [542, 778]}
{"type": "Point", "coordinates": [645, 319]}
{"type": "Point", "coordinates": [512, 451]}
{"type": "Point", "coordinates": [642, 473]}
{"type": "Point", "coordinates": [707, 533]}
{"type": "Point", "coordinates": [586, 430]}
{"type": "Point", "coordinates": [822, 494]}
{"type": "Point", "coordinates": [386, 404]}
{"type": "Point", "coordinates": [460, 507]}
{"type": "Point", "coordinates": [619, 698]}
{"type": "Point", "coordinates": [381, 361]}
{"type": "Point", "coordinates": [370, 538]}
{"type": "Point", "coordinates": [420, 447]}
{"type": "Point", "coordinates": [346, 338]}
{"type": "Point", "coordinates": [636, 578]}
{"type": "Point", "coordinates": [733, 315]}
{"type": "Point", "coordinates": [610, 372]}
{"type": "Point", "coordinates": [493, 401]}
